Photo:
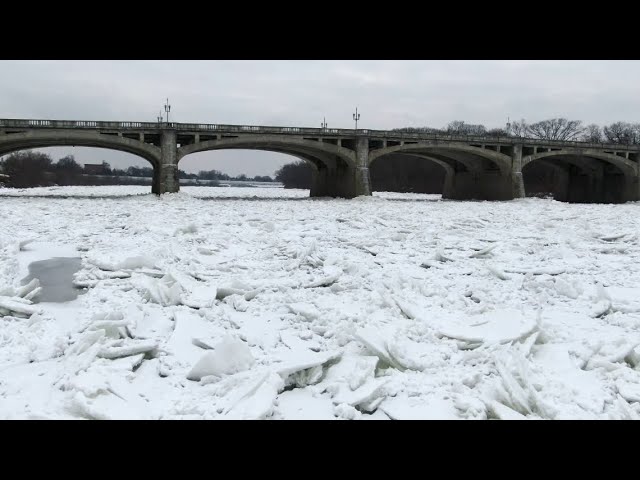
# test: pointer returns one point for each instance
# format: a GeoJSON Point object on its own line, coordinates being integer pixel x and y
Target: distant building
{"type": "Point", "coordinates": [94, 169]}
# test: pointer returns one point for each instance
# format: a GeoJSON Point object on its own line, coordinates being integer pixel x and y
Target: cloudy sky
{"type": "Point", "coordinates": [388, 94]}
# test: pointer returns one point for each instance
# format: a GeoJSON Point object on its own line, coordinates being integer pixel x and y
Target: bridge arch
{"type": "Point", "coordinates": [319, 154]}
{"type": "Point", "coordinates": [41, 139]}
{"type": "Point", "coordinates": [627, 167]}
{"type": "Point", "coordinates": [580, 176]}
{"type": "Point", "coordinates": [16, 142]}
{"type": "Point", "coordinates": [460, 152]}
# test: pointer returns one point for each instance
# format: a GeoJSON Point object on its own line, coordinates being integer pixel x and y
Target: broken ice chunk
{"type": "Point", "coordinates": [352, 371]}
{"type": "Point", "coordinates": [440, 256]}
{"type": "Point", "coordinates": [629, 391]}
{"type": "Point", "coordinates": [419, 408]}
{"type": "Point", "coordinates": [110, 262]}
{"type": "Point", "coordinates": [483, 251]}
{"type": "Point", "coordinates": [203, 343]}
{"type": "Point", "coordinates": [85, 341]}
{"type": "Point", "coordinates": [368, 392]}
{"type": "Point", "coordinates": [600, 309]}
{"type": "Point", "coordinates": [259, 401]}
{"type": "Point", "coordinates": [230, 356]}
{"type": "Point", "coordinates": [298, 361]}
{"type": "Point", "coordinates": [538, 271]}
{"type": "Point", "coordinates": [29, 290]}
{"type": "Point", "coordinates": [17, 306]}
{"type": "Point", "coordinates": [307, 310]}
{"type": "Point", "coordinates": [499, 326]}
{"type": "Point", "coordinates": [324, 281]}
{"type": "Point", "coordinates": [372, 340]}
{"type": "Point", "coordinates": [164, 291]}
{"type": "Point", "coordinates": [132, 347]}
{"type": "Point", "coordinates": [498, 273]}
{"type": "Point", "coordinates": [503, 412]}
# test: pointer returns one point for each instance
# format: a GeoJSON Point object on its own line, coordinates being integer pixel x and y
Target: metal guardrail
{"type": "Point", "coordinates": [199, 127]}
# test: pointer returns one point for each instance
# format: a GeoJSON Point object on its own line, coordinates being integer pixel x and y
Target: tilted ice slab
{"type": "Point", "coordinates": [229, 356]}
{"type": "Point", "coordinates": [429, 408]}
{"type": "Point", "coordinates": [292, 362]}
{"type": "Point", "coordinates": [498, 326]}
{"type": "Point", "coordinates": [114, 262]}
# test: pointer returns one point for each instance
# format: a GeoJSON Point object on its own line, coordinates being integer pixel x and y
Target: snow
{"type": "Point", "coordinates": [261, 303]}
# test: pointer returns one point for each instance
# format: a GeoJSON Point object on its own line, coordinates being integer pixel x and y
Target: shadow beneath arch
{"type": "Point", "coordinates": [417, 200]}
{"type": "Point", "coordinates": [219, 198]}
{"type": "Point", "coordinates": [80, 197]}
{"type": "Point", "coordinates": [254, 198]}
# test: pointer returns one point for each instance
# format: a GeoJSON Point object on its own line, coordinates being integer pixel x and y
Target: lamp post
{"type": "Point", "coordinates": [159, 117]}
{"type": "Point", "coordinates": [356, 117]}
{"type": "Point", "coordinates": [167, 108]}
{"type": "Point", "coordinates": [324, 123]}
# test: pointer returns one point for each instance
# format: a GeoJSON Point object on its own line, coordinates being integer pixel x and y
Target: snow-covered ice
{"type": "Point", "coordinates": [250, 303]}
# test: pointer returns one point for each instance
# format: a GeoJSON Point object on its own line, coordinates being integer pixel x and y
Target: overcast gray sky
{"type": "Point", "coordinates": [388, 94]}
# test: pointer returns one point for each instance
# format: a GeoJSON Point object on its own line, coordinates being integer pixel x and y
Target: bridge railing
{"type": "Point", "coordinates": [386, 134]}
{"type": "Point", "coordinates": [92, 124]}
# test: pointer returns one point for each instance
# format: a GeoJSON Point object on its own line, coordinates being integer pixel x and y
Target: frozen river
{"type": "Point", "coordinates": [264, 303]}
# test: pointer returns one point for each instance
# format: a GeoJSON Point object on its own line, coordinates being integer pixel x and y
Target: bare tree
{"type": "Point", "coordinates": [636, 133]}
{"type": "Point", "coordinates": [518, 129]}
{"type": "Point", "coordinates": [67, 171]}
{"type": "Point", "coordinates": [458, 127]}
{"type": "Point", "coordinates": [28, 169]}
{"type": "Point", "coordinates": [621, 132]}
{"type": "Point", "coordinates": [295, 175]}
{"type": "Point", "coordinates": [592, 133]}
{"type": "Point", "coordinates": [418, 130]}
{"type": "Point", "coordinates": [497, 132]}
{"type": "Point", "coordinates": [69, 163]}
{"type": "Point", "coordinates": [552, 129]}
{"type": "Point", "coordinates": [556, 129]}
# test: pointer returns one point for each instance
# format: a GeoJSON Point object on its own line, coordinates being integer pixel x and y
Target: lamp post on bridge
{"type": "Point", "coordinates": [324, 123]}
{"type": "Point", "coordinates": [167, 108]}
{"type": "Point", "coordinates": [356, 117]}
{"type": "Point", "coordinates": [159, 117]}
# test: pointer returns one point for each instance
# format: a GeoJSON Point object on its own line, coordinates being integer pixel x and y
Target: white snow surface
{"type": "Point", "coordinates": [250, 303]}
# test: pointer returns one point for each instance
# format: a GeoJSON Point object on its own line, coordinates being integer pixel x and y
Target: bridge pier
{"type": "Point", "coordinates": [165, 173]}
{"type": "Point", "coordinates": [448, 189]}
{"type": "Point", "coordinates": [362, 177]}
{"type": "Point", "coordinates": [334, 178]}
{"type": "Point", "coordinates": [340, 182]}
{"type": "Point", "coordinates": [332, 181]}
{"type": "Point", "coordinates": [517, 180]}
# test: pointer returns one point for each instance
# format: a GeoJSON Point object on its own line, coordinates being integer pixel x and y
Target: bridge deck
{"type": "Point", "coordinates": [143, 127]}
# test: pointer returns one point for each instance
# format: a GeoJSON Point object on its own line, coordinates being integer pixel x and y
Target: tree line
{"type": "Point", "coordinates": [37, 169]}
{"type": "Point", "coordinates": [552, 129]}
